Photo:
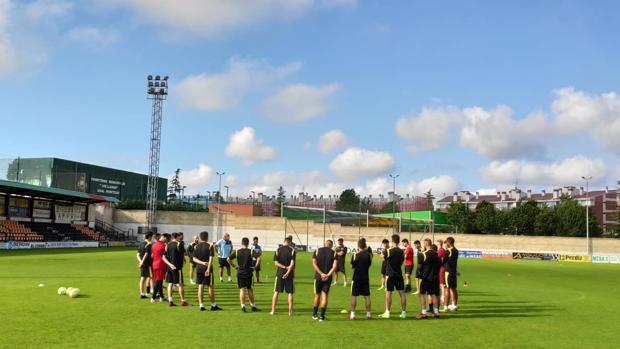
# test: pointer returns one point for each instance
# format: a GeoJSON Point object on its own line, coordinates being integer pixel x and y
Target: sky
{"type": "Point", "coordinates": [320, 95]}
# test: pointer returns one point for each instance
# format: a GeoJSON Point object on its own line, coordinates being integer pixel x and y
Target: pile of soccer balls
{"type": "Point", "coordinates": [70, 291]}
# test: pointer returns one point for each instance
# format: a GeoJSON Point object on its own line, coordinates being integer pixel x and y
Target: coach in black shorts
{"type": "Point", "coordinates": [203, 257]}
{"type": "Point", "coordinates": [360, 285]}
{"type": "Point", "coordinates": [244, 272]}
{"type": "Point", "coordinates": [284, 259]}
{"type": "Point", "coordinates": [428, 266]}
{"type": "Point", "coordinates": [145, 264]}
{"type": "Point", "coordinates": [395, 258]}
{"type": "Point", "coordinates": [174, 276]}
{"type": "Point", "coordinates": [324, 263]}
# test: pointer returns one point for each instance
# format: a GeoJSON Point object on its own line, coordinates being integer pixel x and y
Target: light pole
{"type": "Point", "coordinates": [219, 201]}
{"type": "Point", "coordinates": [208, 198]}
{"type": "Point", "coordinates": [253, 196]}
{"type": "Point", "coordinates": [227, 187]}
{"type": "Point", "coordinates": [587, 179]}
{"type": "Point", "coordinates": [394, 199]}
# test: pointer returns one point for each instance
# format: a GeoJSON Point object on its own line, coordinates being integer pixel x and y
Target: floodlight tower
{"type": "Point", "coordinates": [157, 91]}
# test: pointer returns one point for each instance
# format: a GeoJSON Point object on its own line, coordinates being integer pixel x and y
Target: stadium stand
{"type": "Point", "coordinates": [15, 231]}
{"type": "Point", "coordinates": [38, 231]}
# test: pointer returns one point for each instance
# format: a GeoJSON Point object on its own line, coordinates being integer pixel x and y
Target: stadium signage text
{"type": "Point", "coordinates": [470, 254]}
{"type": "Point", "coordinates": [107, 187]}
{"type": "Point", "coordinates": [613, 259]}
{"type": "Point", "coordinates": [574, 258]}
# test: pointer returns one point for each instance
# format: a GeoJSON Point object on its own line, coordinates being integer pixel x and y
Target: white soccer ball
{"type": "Point", "coordinates": [62, 291]}
{"type": "Point", "coordinates": [68, 290]}
{"type": "Point", "coordinates": [75, 292]}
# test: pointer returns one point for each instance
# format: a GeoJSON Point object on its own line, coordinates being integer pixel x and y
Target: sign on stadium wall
{"type": "Point", "coordinates": [470, 254]}
{"type": "Point", "coordinates": [496, 255]}
{"type": "Point", "coordinates": [613, 259]}
{"type": "Point", "coordinates": [574, 258]}
{"type": "Point", "coordinates": [22, 245]}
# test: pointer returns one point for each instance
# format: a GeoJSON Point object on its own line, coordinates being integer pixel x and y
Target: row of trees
{"type": "Point", "coordinates": [568, 218]}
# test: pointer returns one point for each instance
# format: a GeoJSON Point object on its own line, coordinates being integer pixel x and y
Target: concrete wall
{"type": "Point", "coordinates": [272, 230]}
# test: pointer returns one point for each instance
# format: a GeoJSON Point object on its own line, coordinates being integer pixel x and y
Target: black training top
{"type": "Point", "coordinates": [190, 249]}
{"type": "Point", "coordinates": [244, 261]}
{"type": "Point", "coordinates": [173, 254]}
{"type": "Point", "coordinates": [395, 258]}
{"type": "Point", "coordinates": [285, 255]}
{"type": "Point", "coordinates": [145, 248]}
{"type": "Point", "coordinates": [342, 258]}
{"type": "Point", "coordinates": [361, 262]}
{"type": "Point", "coordinates": [451, 259]}
{"type": "Point", "coordinates": [429, 264]}
{"type": "Point", "coordinates": [202, 251]}
{"type": "Point", "coordinates": [324, 257]}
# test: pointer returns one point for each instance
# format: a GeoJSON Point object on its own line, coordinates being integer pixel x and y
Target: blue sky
{"type": "Point", "coordinates": [449, 94]}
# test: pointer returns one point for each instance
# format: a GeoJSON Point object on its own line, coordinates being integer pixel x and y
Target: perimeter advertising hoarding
{"type": "Point", "coordinates": [574, 258]}
{"type": "Point", "coordinates": [496, 255]}
{"type": "Point", "coordinates": [470, 254]}
{"type": "Point", "coordinates": [21, 245]}
{"type": "Point", "coordinates": [599, 258]}
{"type": "Point", "coordinates": [535, 256]}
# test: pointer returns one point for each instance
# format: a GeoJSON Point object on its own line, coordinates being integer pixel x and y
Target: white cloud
{"type": "Point", "coordinates": [225, 90]}
{"type": "Point", "coordinates": [245, 146]}
{"type": "Point", "coordinates": [356, 163]}
{"type": "Point", "coordinates": [214, 17]}
{"type": "Point", "coordinates": [565, 172]}
{"type": "Point", "coordinates": [47, 8]}
{"type": "Point", "coordinates": [497, 135]}
{"type": "Point", "coordinates": [93, 36]}
{"type": "Point", "coordinates": [332, 140]}
{"type": "Point", "coordinates": [196, 180]}
{"type": "Point", "coordinates": [299, 102]}
{"type": "Point", "coordinates": [599, 115]}
{"type": "Point", "coordinates": [438, 185]}
{"type": "Point", "coordinates": [7, 53]}
{"type": "Point", "coordinates": [429, 130]}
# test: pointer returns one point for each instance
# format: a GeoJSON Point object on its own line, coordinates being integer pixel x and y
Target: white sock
{"type": "Point", "coordinates": [387, 312]}
{"type": "Point", "coordinates": [243, 305]}
{"type": "Point", "coordinates": [403, 312]}
{"type": "Point", "coordinates": [435, 310]}
{"type": "Point", "coordinates": [368, 314]}
{"type": "Point", "coordinates": [169, 299]}
{"type": "Point", "coordinates": [214, 304]}
{"type": "Point", "coordinates": [252, 305]}
{"type": "Point", "coordinates": [202, 305]}
{"type": "Point", "coordinates": [424, 311]}
{"type": "Point", "coordinates": [352, 314]}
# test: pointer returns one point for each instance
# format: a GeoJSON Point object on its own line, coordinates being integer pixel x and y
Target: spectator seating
{"type": "Point", "coordinates": [88, 232]}
{"type": "Point", "coordinates": [39, 231]}
{"type": "Point", "coordinates": [15, 231]}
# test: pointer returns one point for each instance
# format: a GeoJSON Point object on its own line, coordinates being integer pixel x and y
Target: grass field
{"type": "Point", "coordinates": [508, 304]}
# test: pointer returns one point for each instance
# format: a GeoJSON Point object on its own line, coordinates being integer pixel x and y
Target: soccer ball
{"type": "Point", "coordinates": [75, 292]}
{"type": "Point", "coordinates": [68, 290]}
{"type": "Point", "coordinates": [62, 291]}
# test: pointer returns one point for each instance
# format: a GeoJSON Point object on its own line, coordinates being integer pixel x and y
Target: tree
{"type": "Point", "coordinates": [348, 201]}
{"type": "Point", "coordinates": [546, 222]}
{"type": "Point", "coordinates": [487, 218]}
{"type": "Point", "coordinates": [522, 219]}
{"type": "Point", "coordinates": [429, 200]}
{"type": "Point", "coordinates": [571, 219]}
{"type": "Point", "coordinates": [458, 215]}
{"type": "Point", "coordinates": [174, 189]}
{"type": "Point", "coordinates": [277, 203]}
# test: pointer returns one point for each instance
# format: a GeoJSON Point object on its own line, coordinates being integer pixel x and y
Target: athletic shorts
{"type": "Point", "coordinates": [341, 267]}
{"type": "Point", "coordinates": [442, 276]}
{"type": "Point", "coordinates": [409, 269]}
{"type": "Point", "coordinates": [146, 271]}
{"type": "Point", "coordinates": [360, 288]}
{"type": "Point", "coordinates": [430, 288]}
{"type": "Point", "coordinates": [244, 282]}
{"type": "Point", "coordinates": [383, 268]}
{"type": "Point", "coordinates": [223, 262]}
{"type": "Point", "coordinates": [322, 286]}
{"type": "Point", "coordinates": [284, 285]}
{"type": "Point", "coordinates": [450, 279]}
{"type": "Point", "coordinates": [395, 283]}
{"type": "Point", "coordinates": [201, 279]}
{"type": "Point", "coordinates": [257, 267]}
{"type": "Point", "coordinates": [174, 277]}
{"type": "Point", "coordinates": [418, 275]}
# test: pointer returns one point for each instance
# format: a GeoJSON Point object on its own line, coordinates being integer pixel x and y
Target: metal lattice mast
{"type": "Point", "coordinates": [157, 91]}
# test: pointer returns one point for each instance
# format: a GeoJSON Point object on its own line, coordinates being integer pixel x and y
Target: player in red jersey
{"type": "Point", "coordinates": [442, 277]}
{"type": "Point", "coordinates": [159, 267]}
{"type": "Point", "coordinates": [408, 265]}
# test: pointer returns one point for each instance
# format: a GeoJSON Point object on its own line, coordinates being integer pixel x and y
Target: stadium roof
{"type": "Point", "coordinates": [36, 191]}
{"type": "Point", "coordinates": [332, 216]}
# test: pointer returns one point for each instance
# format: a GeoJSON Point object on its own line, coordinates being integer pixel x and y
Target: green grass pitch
{"type": "Point", "coordinates": [508, 304]}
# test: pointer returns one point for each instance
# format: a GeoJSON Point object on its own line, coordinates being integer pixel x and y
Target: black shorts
{"type": "Point", "coordinates": [322, 286]}
{"type": "Point", "coordinates": [418, 275]}
{"type": "Point", "coordinates": [360, 288]}
{"type": "Point", "coordinates": [244, 282]}
{"type": "Point", "coordinates": [450, 280]}
{"type": "Point", "coordinates": [223, 262]}
{"type": "Point", "coordinates": [341, 267]}
{"type": "Point", "coordinates": [429, 287]}
{"type": "Point", "coordinates": [383, 269]}
{"type": "Point", "coordinates": [146, 271]}
{"type": "Point", "coordinates": [395, 283]}
{"type": "Point", "coordinates": [284, 285]}
{"type": "Point", "coordinates": [201, 279]}
{"type": "Point", "coordinates": [174, 277]}
{"type": "Point", "coordinates": [257, 267]}
{"type": "Point", "coordinates": [408, 269]}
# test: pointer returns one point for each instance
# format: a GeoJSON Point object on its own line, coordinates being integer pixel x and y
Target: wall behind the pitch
{"type": "Point", "coordinates": [272, 230]}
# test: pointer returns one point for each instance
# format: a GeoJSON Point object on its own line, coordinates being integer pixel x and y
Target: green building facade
{"type": "Point", "coordinates": [77, 176]}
